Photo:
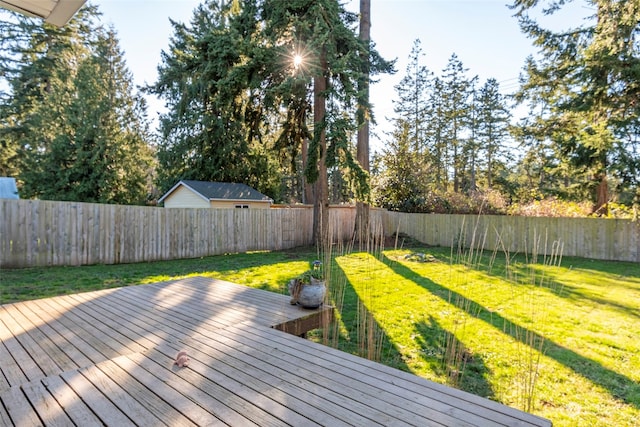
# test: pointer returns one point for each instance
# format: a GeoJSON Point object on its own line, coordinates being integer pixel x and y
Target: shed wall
{"type": "Point", "coordinates": [183, 197]}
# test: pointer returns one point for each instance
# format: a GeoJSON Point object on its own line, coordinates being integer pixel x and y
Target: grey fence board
{"type": "Point", "coordinates": [45, 233]}
{"type": "Point", "coordinates": [597, 238]}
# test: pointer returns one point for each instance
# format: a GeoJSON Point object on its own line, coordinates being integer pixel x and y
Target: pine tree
{"type": "Point", "coordinates": [406, 176]}
{"type": "Point", "coordinates": [81, 133]}
{"type": "Point", "coordinates": [10, 42]}
{"type": "Point", "coordinates": [473, 161]}
{"type": "Point", "coordinates": [363, 117]}
{"type": "Point", "coordinates": [589, 76]}
{"type": "Point", "coordinates": [230, 81]}
{"type": "Point", "coordinates": [437, 128]}
{"type": "Point", "coordinates": [411, 103]}
{"type": "Point", "coordinates": [456, 112]}
{"type": "Point", "coordinates": [322, 34]}
{"type": "Point", "coordinates": [112, 157]}
{"type": "Point", "coordinates": [213, 120]}
{"type": "Point", "coordinates": [38, 65]}
{"type": "Point", "coordinates": [401, 182]}
{"type": "Point", "coordinates": [493, 118]}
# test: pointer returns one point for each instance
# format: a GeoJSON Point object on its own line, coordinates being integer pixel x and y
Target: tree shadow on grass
{"type": "Point", "coordinates": [42, 282]}
{"type": "Point", "coordinates": [619, 386]}
{"type": "Point", "coordinates": [565, 290]}
{"type": "Point", "coordinates": [362, 334]}
{"type": "Point", "coordinates": [450, 358]}
{"type": "Point", "coordinates": [601, 274]}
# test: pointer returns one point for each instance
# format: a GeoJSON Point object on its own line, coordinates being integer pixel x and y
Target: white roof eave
{"type": "Point", "coordinates": [55, 12]}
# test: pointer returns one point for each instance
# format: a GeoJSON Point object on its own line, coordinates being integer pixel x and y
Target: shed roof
{"type": "Point", "coordinates": [220, 191]}
{"type": "Point", "coordinates": [8, 188]}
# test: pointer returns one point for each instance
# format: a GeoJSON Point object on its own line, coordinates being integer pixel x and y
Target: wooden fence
{"type": "Point", "coordinates": [42, 233]}
{"type": "Point", "coordinates": [45, 233]}
{"type": "Point", "coordinates": [596, 238]}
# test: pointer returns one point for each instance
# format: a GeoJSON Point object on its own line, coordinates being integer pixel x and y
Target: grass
{"type": "Point", "coordinates": [498, 325]}
{"type": "Point", "coordinates": [265, 270]}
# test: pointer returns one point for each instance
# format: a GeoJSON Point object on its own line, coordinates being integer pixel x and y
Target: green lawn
{"type": "Point", "coordinates": [562, 340]}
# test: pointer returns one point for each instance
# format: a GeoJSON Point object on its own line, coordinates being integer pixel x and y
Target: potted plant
{"type": "Point", "coordinates": [309, 289]}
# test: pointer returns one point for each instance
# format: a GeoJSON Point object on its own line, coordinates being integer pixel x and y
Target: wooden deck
{"type": "Point", "coordinates": [106, 358]}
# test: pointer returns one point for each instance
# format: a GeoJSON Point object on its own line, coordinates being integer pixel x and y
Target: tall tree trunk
{"type": "Point", "coordinates": [602, 195]}
{"type": "Point", "coordinates": [321, 192]}
{"type": "Point", "coordinates": [490, 169]}
{"type": "Point", "coordinates": [308, 197]}
{"type": "Point", "coordinates": [472, 173]}
{"type": "Point", "coordinates": [362, 208]}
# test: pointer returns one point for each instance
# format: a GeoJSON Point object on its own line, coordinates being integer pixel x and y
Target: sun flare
{"type": "Point", "coordinates": [299, 62]}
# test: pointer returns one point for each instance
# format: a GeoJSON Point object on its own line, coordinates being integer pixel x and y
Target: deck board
{"type": "Point", "coordinates": [274, 393]}
{"type": "Point", "coordinates": [23, 361]}
{"type": "Point", "coordinates": [146, 396]}
{"type": "Point", "coordinates": [5, 420]}
{"type": "Point", "coordinates": [67, 340]}
{"type": "Point", "coordinates": [95, 400]}
{"type": "Point", "coordinates": [33, 340]}
{"type": "Point", "coordinates": [168, 389]}
{"type": "Point", "coordinates": [18, 407]}
{"type": "Point", "coordinates": [46, 406]}
{"type": "Point", "coordinates": [408, 387]}
{"type": "Point", "coordinates": [12, 373]}
{"type": "Point", "coordinates": [210, 391]}
{"type": "Point", "coordinates": [65, 355]}
{"type": "Point", "coordinates": [385, 382]}
{"type": "Point", "coordinates": [70, 402]}
{"type": "Point", "coordinates": [335, 382]}
{"type": "Point", "coordinates": [106, 358]}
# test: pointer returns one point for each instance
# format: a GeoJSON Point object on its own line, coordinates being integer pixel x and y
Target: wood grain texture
{"type": "Point", "coordinates": [108, 358]}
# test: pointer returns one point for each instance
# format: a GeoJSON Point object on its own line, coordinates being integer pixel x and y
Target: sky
{"type": "Point", "coordinates": [482, 33]}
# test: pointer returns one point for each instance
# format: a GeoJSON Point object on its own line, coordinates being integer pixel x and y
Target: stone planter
{"type": "Point", "coordinates": [307, 295]}
{"type": "Point", "coordinates": [312, 294]}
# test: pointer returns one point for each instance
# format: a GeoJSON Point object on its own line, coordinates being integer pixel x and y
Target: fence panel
{"type": "Point", "coordinates": [46, 233]}
{"type": "Point", "coordinates": [597, 238]}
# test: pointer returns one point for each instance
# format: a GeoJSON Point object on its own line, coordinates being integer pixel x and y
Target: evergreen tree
{"type": "Point", "coordinates": [589, 77]}
{"type": "Point", "coordinates": [322, 34]}
{"type": "Point", "coordinates": [38, 65]}
{"type": "Point", "coordinates": [112, 156]}
{"type": "Point", "coordinates": [444, 130]}
{"type": "Point", "coordinates": [437, 128]}
{"type": "Point", "coordinates": [493, 118]}
{"type": "Point", "coordinates": [405, 176]}
{"type": "Point", "coordinates": [230, 80]}
{"type": "Point", "coordinates": [10, 42]}
{"type": "Point", "coordinates": [545, 168]}
{"type": "Point", "coordinates": [456, 112]}
{"type": "Point", "coordinates": [212, 129]}
{"type": "Point", "coordinates": [363, 117]}
{"type": "Point", "coordinates": [81, 134]}
{"type": "Point", "coordinates": [471, 148]}
{"type": "Point", "coordinates": [412, 102]}
{"type": "Point", "coordinates": [401, 183]}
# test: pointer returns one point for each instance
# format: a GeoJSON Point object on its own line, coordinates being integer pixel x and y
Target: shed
{"type": "Point", "coordinates": [8, 188]}
{"type": "Point", "coordinates": [203, 194]}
